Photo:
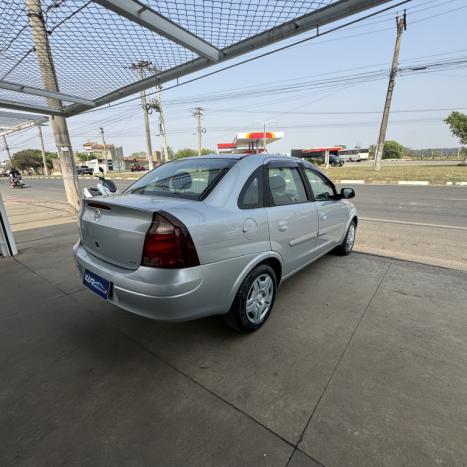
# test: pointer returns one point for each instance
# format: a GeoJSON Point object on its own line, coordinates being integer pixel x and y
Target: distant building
{"type": "Point", "coordinates": [110, 156]}
{"type": "Point", "coordinates": [130, 162]}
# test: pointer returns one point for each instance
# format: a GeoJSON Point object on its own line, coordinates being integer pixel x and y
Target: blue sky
{"type": "Point", "coordinates": [436, 31]}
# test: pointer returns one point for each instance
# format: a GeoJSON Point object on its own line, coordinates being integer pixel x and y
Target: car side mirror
{"type": "Point", "coordinates": [348, 193]}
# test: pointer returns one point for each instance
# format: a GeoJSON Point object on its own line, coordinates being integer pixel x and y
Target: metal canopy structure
{"type": "Point", "coordinates": [94, 43]}
{"type": "Point", "coordinates": [12, 122]}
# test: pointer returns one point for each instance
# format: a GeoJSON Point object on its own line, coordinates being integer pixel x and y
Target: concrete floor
{"type": "Point", "coordinates": [362, 363]}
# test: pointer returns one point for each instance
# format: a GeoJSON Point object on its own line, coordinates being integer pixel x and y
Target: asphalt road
{"type": "Point", "coordinates": [405, 162]}
{"type": "Point", "coordinates": [49, 188]}
{"type": "Point", "coordinates": [426, 224]}
{"type": "Point", "coordinates": [434, 205]}
{"type": "Point", "coordinates": [440, 206]}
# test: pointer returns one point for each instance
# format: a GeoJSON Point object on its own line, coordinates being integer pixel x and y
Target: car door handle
{"type": "Point", "coordinates": [323, 217]}
{"type": "Point", "coordinates": [282, 226]}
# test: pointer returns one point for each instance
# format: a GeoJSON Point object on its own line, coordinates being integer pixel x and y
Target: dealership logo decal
{"type": "Point", "coordinates": [95, 284]}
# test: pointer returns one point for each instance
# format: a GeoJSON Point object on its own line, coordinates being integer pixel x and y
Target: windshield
{"type": "Point", "coordinates": [190, 178]}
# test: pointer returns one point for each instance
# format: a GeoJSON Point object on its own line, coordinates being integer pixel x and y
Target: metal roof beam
{"type": "Point", "coordinates": [31, 108]}
{"type": "Point", "coordinates": [140, 13]}
{"type": "Point", "coordinates": [321, 17]}
{"type": "Point", "coordinates": [29, 117]}
{"type": "Point", "coordinates": [16, 129]}
{"type": "Point", "coordinates": [16, 87]}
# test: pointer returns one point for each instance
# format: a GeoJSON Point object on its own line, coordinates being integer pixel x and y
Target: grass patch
{"type": "Point", "coordinates": [125, 175]}
{"type": "Point", "coordinates": [437, 175]}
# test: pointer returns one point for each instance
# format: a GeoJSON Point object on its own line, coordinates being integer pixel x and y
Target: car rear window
{"type": "Point", "coordinates": [190, 178]}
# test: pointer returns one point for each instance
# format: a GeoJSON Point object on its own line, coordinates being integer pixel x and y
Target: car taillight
{"type": "Point", "coordinates": [168, 244]}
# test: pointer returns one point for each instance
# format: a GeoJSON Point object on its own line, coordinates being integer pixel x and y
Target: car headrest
{"type": "Point", "coordinates": [181, 181]}
{"type": "Point", "coordinates": [277, 183]}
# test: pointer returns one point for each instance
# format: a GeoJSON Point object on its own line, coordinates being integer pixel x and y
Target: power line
{"type": "Point", "coordinates": [351, 112]}
{"type": "Point", "coordinates": [265, 54]}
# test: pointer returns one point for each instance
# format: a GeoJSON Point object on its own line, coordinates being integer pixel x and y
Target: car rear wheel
{"type": "Point", "coordinates": [254, 300]}
{"type": "Point", "coordinates": [346, 247]}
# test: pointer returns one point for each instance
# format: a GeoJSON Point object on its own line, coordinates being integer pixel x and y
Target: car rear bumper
{"type": "Point", "coordinates": [168, 294]}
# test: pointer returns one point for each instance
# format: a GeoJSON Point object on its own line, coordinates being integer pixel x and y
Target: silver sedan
{"type": "Point", "coordinates": [212, 235]}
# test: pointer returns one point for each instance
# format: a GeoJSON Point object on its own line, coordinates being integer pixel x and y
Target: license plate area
{"type": "Point", "coordinates": [97, 284]}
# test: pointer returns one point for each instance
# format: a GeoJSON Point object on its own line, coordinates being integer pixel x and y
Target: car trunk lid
{"type": "Point", "coordinates": [114, 228]}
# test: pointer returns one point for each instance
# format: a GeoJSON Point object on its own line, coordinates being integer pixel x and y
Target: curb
{"type": "Point", "coordinates": [59, 177]}
{"type": "Point", "coordinates": [402, 182]}
{"type": "Point", "coordinates": [414, 182]}
{"type": "Point", "coordinates": [354, 182]}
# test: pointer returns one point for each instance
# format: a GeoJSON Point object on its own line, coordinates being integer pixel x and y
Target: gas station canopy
{"type": "Point", "coordinates": [95, 44]}
{"type": "Point", "coordinates": [250, 143]}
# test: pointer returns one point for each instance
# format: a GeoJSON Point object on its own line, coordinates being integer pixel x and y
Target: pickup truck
{"type": "Point", "coordinates": [84, 170]}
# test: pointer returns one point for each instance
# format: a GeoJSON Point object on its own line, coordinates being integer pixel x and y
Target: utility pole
{"type": "Point", "coordinates": [140, 67]}
{"type": "Point", "coordinates": [105, 147]}
{"type": "Point", "coordinates": [198, 113]}
{"type": "Point", "coordinates": [156, 104]}
{"type": "Point", "coordinates": [7, 149]}
{"type": "Point", "coordinates": [401, 22]}
{"type": "Point", "coordinates": [49, 80]}
{"type": "Point", "coordinates": [44, 159]}
{"type": "Point", "coordinates": [162, 129]}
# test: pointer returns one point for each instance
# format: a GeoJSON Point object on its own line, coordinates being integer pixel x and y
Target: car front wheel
{"type": "Point", "coordinates": [254, 300]}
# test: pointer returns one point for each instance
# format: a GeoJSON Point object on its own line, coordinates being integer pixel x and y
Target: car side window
{"type": "Point", "coordinates": [286, 186]}
{"type": "Point", "coordinates": [251, 196]}
{"type": "Point", "coordinates": [322, 189]}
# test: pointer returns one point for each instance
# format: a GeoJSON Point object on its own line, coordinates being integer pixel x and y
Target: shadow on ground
{"type": "Point", "coordinates": [361, 363]}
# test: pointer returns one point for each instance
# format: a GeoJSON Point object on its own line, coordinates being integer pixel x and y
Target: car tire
{"type": "Point", "coordinates": [346, 247]}
{"type": "Point", "coordinates": [254, 300]}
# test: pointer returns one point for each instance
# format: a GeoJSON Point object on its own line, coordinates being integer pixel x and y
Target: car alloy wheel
{"type": "Point", "coordinates": [254, 300]}
{"type": "Point", "coordinates": [259, 298]}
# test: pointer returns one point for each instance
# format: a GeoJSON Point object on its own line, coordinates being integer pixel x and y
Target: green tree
{"type": "Point", "coordinates": [138, 154]}
{"type": "Point", "coordinates": [457, 122]}
{"type": "Point", "coordinates": [188, 152]}
{"type": "Point", "coordinates": [185, 152]}
{"type": "Point", "coordinates": [32, 159]}
{"type": "Point", "coordinates": [84, 156]}
{"type": "Point", "coordinates": [393, 150]}
{"type": "Point", "coordinates": [343, 146]}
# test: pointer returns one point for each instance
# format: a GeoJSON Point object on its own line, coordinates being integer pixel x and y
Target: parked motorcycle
{"type": "Point", "coordinates": [105, 187]}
